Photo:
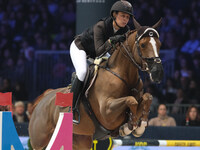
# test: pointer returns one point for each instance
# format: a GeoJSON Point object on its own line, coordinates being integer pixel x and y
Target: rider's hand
{"type": "Point", "coordinates": [117, 38]}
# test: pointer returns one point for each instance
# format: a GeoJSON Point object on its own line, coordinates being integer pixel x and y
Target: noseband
{"type": "Point", "coordinates": [148, 32]}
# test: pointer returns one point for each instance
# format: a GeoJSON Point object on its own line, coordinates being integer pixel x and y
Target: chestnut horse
{"type": "Point", "coordinates": [116, 93]}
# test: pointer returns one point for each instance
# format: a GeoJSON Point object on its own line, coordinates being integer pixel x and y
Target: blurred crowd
{"type": "Point", "coordinates": [180, 22]}
{"type": "Point", "coordinates": [190, 118]}
{"type": "Point", "coordinates": [27, 26]}
{"type": "Point", "coordinates": [180, 33]}
{"type": "Point", "coordinates": [21, 111]}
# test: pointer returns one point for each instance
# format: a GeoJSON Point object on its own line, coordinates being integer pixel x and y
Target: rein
{"type": "Point", "coordinates": [124, 81]}
{"type": "Point", "coordinates": [130, 56]}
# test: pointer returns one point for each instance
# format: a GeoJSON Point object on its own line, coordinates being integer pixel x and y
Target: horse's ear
{"type": "Point", "coordinates": [136, 24]}
{"type": "Point", "coordinates": [156, 26]}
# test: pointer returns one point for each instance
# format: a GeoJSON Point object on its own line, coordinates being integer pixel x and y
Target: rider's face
{"type": "Point", "coordinates": [122, 19]}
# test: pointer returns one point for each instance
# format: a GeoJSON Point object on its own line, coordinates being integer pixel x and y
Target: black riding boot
{"type": "Point", "coordinates": [76, 89]}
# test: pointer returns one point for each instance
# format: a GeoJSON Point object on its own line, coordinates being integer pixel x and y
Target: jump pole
{"type": "Point", "coordinates": [131, 142]}
{"type": "Point", "coordinates": [63, 133]}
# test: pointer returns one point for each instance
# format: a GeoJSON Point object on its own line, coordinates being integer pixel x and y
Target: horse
{"type": "Point", "coordinates": [116, 103]}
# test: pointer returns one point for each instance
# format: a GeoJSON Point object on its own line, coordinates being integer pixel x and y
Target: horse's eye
{"type": "Point", "coordinates": [143, 45]}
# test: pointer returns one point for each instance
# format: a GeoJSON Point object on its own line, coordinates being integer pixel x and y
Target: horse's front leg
{"type": "Point", "coordinates": [114, 109]}
{"type": "Point", "coordinates": [143, 113]}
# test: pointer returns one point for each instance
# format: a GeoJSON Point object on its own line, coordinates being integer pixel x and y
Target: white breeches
{"type": "Point", "coordinates": [79, 60]}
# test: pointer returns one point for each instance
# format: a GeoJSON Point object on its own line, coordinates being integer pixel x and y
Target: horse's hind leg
{"type": "Point", "coordinates": [39, 135]}
{"type": "Point", "coordinates": [82, 142]}
{"type": "Point", "coordinates": [39, 142]}
{"type": "Point", "coordinates": [143, 113]}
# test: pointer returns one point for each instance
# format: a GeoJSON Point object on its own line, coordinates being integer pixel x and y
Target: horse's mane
{"type": "Point", "coordinates": [39, 98]}
{"type": "Point", "coordinates": [130, 32]}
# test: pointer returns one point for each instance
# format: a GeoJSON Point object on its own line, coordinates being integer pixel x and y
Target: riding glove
{"type": "Point", "coordinates": [117, 38]}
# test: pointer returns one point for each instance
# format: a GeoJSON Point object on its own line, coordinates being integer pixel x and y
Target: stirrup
{"type": "Point", "coordinates": [75, 110]}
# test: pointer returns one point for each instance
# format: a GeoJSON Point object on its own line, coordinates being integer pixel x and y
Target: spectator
{"type": "Point", "coordinates": [184, 83]}
{"type": "Point", "coordinates": [19, 114]}
{"type": "Point", "coordinates": [27, 50]}
{"type": "Point", "coordinates": [20, 92]}
{"type": "Point", "coordinates": [20, 68]}
{"type": "Point", "coordinates": [54, 46]}
{"type": "Point", "coordinates": [192, 44]}
{"type": "Point", "coordinates": [29, 110]}
{"type": "Point", "coordinates": [180, 99]}
{"type": "Point", "coordinates": [176, 78]}
{"type": "Point", "coordinates": [163, 119]}
{"type": "Point", "coordinates": [192, 117]}
{"type": "Point", "coordinates": [193, 92]}
{"type": "Point", "coordinates": [6, 87]}
{"type": "Point", "coordinates": [169, 91]}
{"type": "Point", "coordinates": [154, 92]}
{"type": "Point", "coordinates": [3, 108]}
{"type": "Point", "coordinates": [196, 65]}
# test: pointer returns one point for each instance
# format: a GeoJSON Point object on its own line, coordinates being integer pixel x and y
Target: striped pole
{"type": "Point", "coordinates": [131, 142]}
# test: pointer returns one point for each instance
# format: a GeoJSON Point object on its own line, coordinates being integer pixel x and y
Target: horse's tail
{"type": "Point", "coordinates": [39, 98]}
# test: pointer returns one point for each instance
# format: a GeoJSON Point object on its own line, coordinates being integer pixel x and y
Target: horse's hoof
{"type": "Point", "coordinates": [124, 130]}
{"type": "Point", "coordinates": [136, 135]}
{"type": "Point", "coordinates": [121, 133]}
{"type": "Point", "coordinates": [140, 130]}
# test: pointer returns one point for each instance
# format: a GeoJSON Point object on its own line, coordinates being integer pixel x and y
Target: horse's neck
{"type": "Point", "coordinates": [122, 65]}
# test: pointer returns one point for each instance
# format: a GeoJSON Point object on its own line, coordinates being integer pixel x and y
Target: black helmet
{"type": "Point", "coordinates": [122, 6]}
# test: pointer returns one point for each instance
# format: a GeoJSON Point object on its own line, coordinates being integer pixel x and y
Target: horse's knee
{"type": "Point", "coordinates": [131, 101]}
{"type": "Point", "coordinates": [147, 97]}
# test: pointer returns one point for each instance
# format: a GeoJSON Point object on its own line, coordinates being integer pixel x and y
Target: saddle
{"type": "Point", "coordinates": [91, 74]}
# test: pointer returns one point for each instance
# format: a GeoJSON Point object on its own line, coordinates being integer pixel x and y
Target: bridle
{"type": "Point", "coordinates": [148, 61]}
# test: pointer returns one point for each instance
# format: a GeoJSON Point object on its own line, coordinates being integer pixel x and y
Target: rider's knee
{"type": "Point", "coordinates": [81, 74]}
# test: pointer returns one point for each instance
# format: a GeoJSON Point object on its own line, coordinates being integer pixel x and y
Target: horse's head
{"type": "Point", "coordinates": [145, 50]}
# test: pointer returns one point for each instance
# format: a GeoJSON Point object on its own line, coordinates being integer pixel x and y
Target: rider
{"type": "Point", "coordinates": [98, 40]}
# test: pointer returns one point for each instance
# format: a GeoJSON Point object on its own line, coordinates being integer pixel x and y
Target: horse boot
{"type": "Point", "coordinates": [76, 89]}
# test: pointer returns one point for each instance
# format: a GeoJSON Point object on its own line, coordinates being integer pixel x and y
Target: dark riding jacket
{"type": "Point", "coordinates": [94, 40]}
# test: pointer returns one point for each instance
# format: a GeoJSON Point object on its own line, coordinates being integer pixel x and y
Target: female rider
{"type": "Point", "coordinates": [98, 40]}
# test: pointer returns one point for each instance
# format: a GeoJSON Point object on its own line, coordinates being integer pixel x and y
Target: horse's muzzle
{"type": "Point", "coordinates": [156, 72]}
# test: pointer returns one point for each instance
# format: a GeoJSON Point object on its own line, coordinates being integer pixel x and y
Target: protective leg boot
{"type": "Point", "coordinates": [76, 89]}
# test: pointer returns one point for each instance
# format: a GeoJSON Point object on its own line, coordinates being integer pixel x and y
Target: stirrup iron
{"type": "Point", "coordinates": [75, 110]}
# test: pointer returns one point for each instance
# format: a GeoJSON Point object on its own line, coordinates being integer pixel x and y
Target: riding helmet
{"type": "Point", "coordinates": [122, 6]}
